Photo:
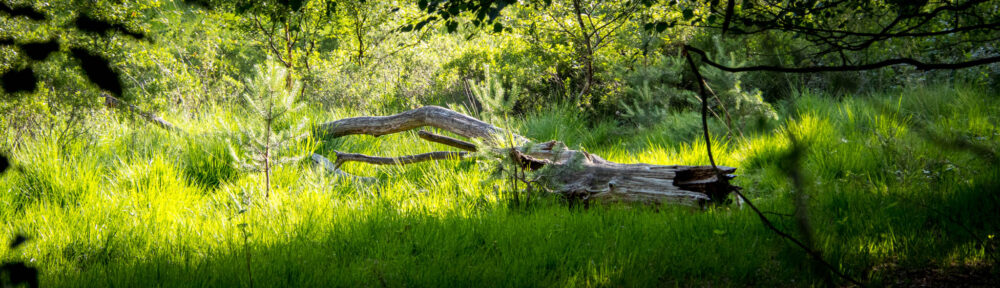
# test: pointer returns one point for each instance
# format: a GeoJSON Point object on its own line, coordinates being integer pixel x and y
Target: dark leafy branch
{"type": "Point", "coordinates": [22, 11]}
{"type": "Point", "coordinates": [909, 19]}
{"type": "Point", "coordinates": [483, 12]}
{"type": "Point", "coordinates": [96, 67]}
{"type": "Point", "coordinates": [13, 274]}
{"type": "Point", "coordinates": [854, 30]}
{"type": "Point", "coordinates": [104, 28]}
{"type": "Point", "coordinates": [724, 185]}
{"type": "Point", "coordinates": [842, 68]}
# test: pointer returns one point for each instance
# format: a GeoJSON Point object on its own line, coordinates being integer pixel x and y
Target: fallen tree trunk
{"type": "Point", "coordinates": [571, 173]}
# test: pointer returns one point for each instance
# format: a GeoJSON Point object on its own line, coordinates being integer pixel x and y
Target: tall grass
{"type": "Point", "coordinates": [141, 207]}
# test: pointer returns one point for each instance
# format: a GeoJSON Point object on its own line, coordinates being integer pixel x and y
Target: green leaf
{"type": "Point", "coordinates": [497, 27]}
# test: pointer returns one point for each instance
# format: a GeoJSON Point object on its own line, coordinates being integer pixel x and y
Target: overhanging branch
{"type": "Point", "coordinates": [846, 68]}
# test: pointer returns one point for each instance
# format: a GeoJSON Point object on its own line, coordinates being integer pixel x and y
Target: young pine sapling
{"type": "Point", "coordinates": [267, 131]}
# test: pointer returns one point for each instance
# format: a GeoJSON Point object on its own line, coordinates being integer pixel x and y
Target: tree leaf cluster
{"type": "Point", "coordinates": [96, 67]}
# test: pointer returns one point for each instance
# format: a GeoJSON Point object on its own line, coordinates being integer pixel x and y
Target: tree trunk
{"type": "Point", "coordinates": [571, 173]}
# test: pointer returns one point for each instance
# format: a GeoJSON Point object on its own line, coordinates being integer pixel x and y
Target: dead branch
{"type": "Point", "coordinates": [402, 160]}
{"type": "Point", "coordinates": [446, 141]}
{"type": "Point", "coordinates": [434, 116]}
{"type": "Point", "coordinates": [112, 102]}
{"type": "Point", "coordinates": [319, 160]}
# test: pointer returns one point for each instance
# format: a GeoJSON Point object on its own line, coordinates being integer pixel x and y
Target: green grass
{"type": "Point", "coordinates": [141, 207]}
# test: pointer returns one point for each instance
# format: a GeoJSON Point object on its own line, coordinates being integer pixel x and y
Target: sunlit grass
{"type": "Point", "coordinates": [142, 207]}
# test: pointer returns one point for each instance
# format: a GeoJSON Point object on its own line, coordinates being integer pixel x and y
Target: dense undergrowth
{"type": "Point", "coordinates": [900, 166]}
{"type": "Point", "coordinates": [896, 181]}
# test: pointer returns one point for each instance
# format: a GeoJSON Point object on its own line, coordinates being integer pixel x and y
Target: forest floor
{"type": "Point", "coordinates": [901, 190]}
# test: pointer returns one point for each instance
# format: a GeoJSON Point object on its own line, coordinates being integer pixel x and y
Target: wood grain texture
{"type": "Point", "coordinates": [434, 116]}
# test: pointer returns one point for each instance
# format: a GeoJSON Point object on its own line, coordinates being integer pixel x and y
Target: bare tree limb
{"type": "Point", "coordinates": [319, 160]}
{"type": "Point", "coordinates": [402, 160]}
{"type": "Point", "coordinates": [724, 182]}
{"type": "Point", "coordinates": [446, 141]}
{"type": "Point", "coordinates": [843, 68]}
{"type": "Point", "coordinates": [434, 116]}
{"type": "Point", "coordinates": [112, 102]}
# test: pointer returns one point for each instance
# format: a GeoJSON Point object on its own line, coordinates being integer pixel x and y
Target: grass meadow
{"type": "Point", "coordinates": [897, 183]}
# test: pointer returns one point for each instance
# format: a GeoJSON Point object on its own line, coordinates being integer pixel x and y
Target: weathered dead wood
{"type": "Point", "coordinates": [446, 141]}
{"type": "Point", "coordinates": [112, 102]}
{"type": "Point", "coordinates": [587, 176]}
{"type": "Point", "coordinates": [409, 159]}
{"type": "Point", "coordinates": [324, 163]}
{"type": "Point", "coordinates": [572, 173]}
{"type": "Point", "coordinates": [434, 116]}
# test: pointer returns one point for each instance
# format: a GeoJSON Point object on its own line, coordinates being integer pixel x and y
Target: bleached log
{"type": "Point", "coordinates": [579, 174]}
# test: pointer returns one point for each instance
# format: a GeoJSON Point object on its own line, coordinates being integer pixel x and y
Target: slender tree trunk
{"type": "Point", "coordinates": [358, 33]}
{"type": "Point", "coordinates": [267, 149]}
{"type": "Point", "coordinates": [588, 52]}
{"type": "Point", "coordinates": [289, 62]}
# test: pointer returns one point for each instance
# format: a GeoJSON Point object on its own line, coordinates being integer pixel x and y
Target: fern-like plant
{"type": "Point", "coordinates": [737, 103]}
{"type": "Point", "coordinates": [266, 131]}
{"type": "Point", "coordinates": [492, 97]}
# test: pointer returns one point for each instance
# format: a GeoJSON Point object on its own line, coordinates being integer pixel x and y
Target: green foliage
{"type": "Point", "coordinates": [116, 212]}
{"type": "Point", "coordinates": [268, 133]}
{"type": "Point", "coordinates": [494, 101]}
{"type": "Point", "coordinates": [654, 91]}
{"type": "Point", "coordinates": [738, 105]}
{"type": "Point", "coordinates": [898, 169]}
{"type": "Point", "coordinates": [208, 161]}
